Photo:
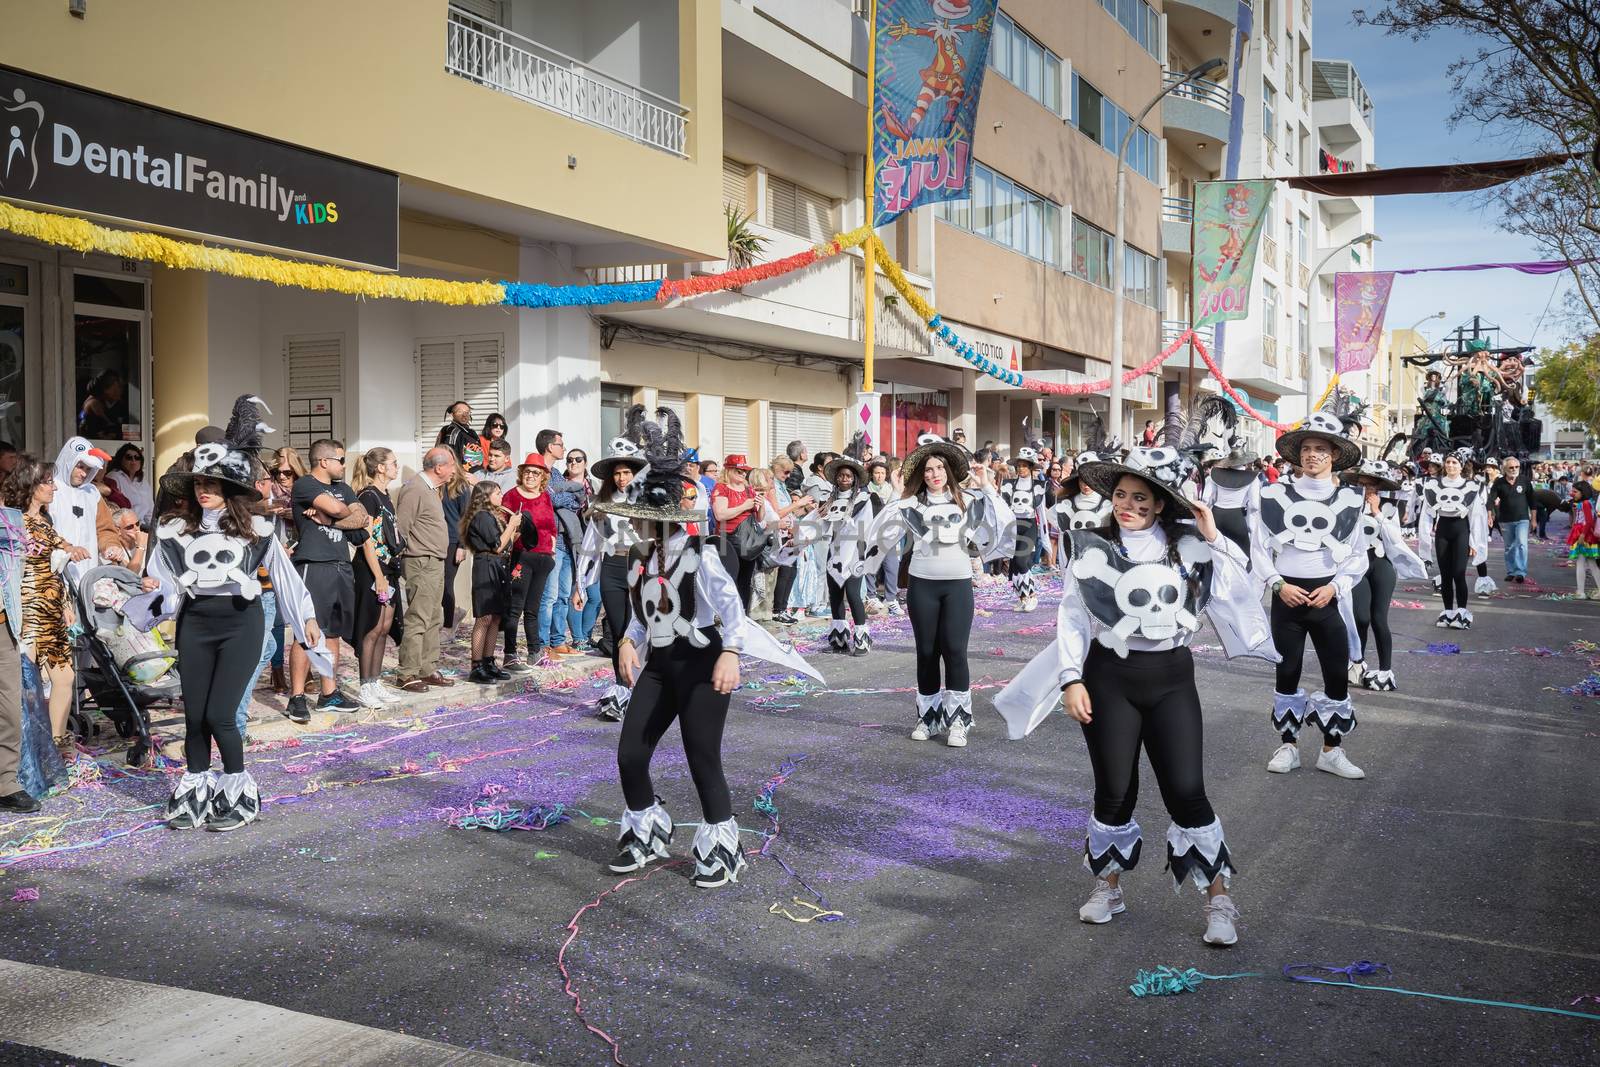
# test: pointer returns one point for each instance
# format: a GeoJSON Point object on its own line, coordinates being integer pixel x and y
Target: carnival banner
{"type": "Point", "coordinates": [1359, 301]}
{"type": "Point", "coordinates": [931, 57]}
{"type": "Point", "coordinates": [1227, 221]}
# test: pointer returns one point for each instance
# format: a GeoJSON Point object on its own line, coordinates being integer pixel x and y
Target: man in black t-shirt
{"type": "Point", "coordinates": [329, 521]}
{"type": "Point", "coordinates": [1509, 498]}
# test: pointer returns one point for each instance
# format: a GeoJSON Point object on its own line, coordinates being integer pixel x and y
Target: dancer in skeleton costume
{"type": "Point", "coordinates": [1309, 550]}
{"type": "Point", "coordinates": [1079, 507]}
{"type": "Point", "coordinates": [942, 519]}
{"type": "Point", "coordinates": [1024, 496]}
{"type": "Point", "coordinates": [1485, 477]}
{"type": "Point", "coordinates": [1121, 664]}
{"type": "Point", "coordinates": [840, 528]}
{"type": "Point", "coordinates": [680, 654]}
{"type": "Point", "coordinates": [1227, 474]}
{"type": "Point", "coordinates": [1388, 559]}
{"type": "Point", "coordinates": [604, 555]}
{"type": "Point", "coordinates": [210, 547]}
{"type": "Point", "coordinates": [1452, 526]}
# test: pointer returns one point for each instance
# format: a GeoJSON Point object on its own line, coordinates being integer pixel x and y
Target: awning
{"type": "Point", "coordinates": [1444, 178]}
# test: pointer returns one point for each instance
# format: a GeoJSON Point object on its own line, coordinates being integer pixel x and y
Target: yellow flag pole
{"type": "Point", "coordinates": [869, 273]}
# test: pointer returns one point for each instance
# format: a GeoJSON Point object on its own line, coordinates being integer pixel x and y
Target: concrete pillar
{"type": "Point", "coordinates": [180, 361]}
{"type": "Point", "coordinates": [555, 380]}
{"type": "Point", "coordinates": [964, 407]}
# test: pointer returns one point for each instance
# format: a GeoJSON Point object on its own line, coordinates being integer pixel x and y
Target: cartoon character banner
{"type": "Point", "coordinates": [1227, 221]}
{"type": "Point", "coordinates": [931, 56]}
{"type": "Point", "coordinates": [1359, 301]}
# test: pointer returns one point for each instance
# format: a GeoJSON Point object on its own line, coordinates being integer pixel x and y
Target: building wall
{"type": "Point", "coordinates": [368, 83]}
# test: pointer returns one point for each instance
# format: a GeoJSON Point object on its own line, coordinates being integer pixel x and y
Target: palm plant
{"type": "Point", "coordinates": [745, 246]}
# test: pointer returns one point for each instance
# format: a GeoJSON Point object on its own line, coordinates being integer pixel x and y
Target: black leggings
{"type": "Point", "coordinates": [782, 587]}
{"type": "Point", "coordinates": [941, 623]}
{"type": "Point", "coordinates": [1027, 542]}
{"type": "Point", "coordinates": [1371, 602]}
{"type": "Point", "coordinates": [614, 598]}
{"type": "Point", "coordinates": [523, 593]}
{"type": "Point", "coordinates": [1148, 700]}
{"type": "Point", "coordinates": [1450, 541]}
{"type": "Point", "coordinates": [676, 684]}
{"type": "Point", "coordinates": [1290, 626]}
{"type": "Point", "coordinates": [1231, 523]}
{"type": "Point", "coordinates": [219, 645]}
{"type": "Point", "coordinates": [838, 594]}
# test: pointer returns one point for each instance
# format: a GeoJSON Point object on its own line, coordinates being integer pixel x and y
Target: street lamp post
{"type": "Point", "coordinates": [1114, 414]}
{"type": "Point", "coordinates": [1316, 276]}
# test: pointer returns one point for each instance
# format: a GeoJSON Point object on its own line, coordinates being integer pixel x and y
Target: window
{"type": "Point", "coordinates": [1303, 330]}
{"type": "Point", "coordinates": [467, 367]}
{"type": "Point", "coordinates": [1026, 63]}
{"type": "Point", "coordinates": [1305, 151]}
{"type": "Point", "coordinates": [1009, 214]}
{"type": "Point", "coordinates": [1091, 253]}
{"type": "Point", "coordinates": [1269, 107]}
{"type": "Point", "coordinates": [1269, 309]}
{"type": "Point", "coordinates": [1141, 277]}
{"type": "Point", "coordinates": [615, 400]}
{"type": "Point", "coordinates": [736, 426]}
{"type": "Point", "coordinates": [1304, 246]}
{"type": "Point", "coordinates": [791, 422]}
{"type": "Point", "coordinates": [1288, 144]}
{"type": "Point", "coordinates": [735, 186]}
{"type": "Point", "coordinates": [795, 209]}
{"type": "Point", "coordinates": [1140, 20]}
{"type": "Point", "coordinates": [1105, 124]}
{"type": "Point", "coordinates": [1269, 218]}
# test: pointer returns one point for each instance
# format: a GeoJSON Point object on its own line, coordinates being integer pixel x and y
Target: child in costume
{"type": "Point", "coordinates": [1389, 558]}
{"type": "Point", "coordinates": [604, 555]}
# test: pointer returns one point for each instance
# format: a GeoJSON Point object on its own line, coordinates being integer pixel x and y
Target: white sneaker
{"type": "Point", "coordinates": [1104, 902]}
{"type": "Point", "coordinates": [367, 698]}
{"type": "Point", "coordinates": [1286, 759]}
{"type": "Point", "coordinates": [385, 694]}
{"type": "Point", "coordinates": [957, 736]}
{"type": "Point", "coordinates": [1334, 761]}
{"type": "Point", "coordinates": [1444, 618]}
{"type": "Point", "coordinates": [921, 732]}
{"type": "Point", "coordinates": [1222, 920]}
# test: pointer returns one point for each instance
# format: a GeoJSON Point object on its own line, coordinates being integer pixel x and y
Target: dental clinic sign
{"type": "Point", "coordinates": [70, 148]}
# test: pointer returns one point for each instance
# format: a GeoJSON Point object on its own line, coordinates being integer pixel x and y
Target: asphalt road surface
{"type": "Point", "coordinates": [1466, 862]}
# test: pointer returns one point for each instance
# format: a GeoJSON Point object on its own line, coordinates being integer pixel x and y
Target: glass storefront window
{"type": "Point", "coordinates": [108, 364]}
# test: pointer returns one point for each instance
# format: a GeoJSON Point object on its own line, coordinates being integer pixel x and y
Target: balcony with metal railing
{"type": "Point", "coordinates": [500, 59]}
{"type": "Point", "coordinates": [1336, 79]}
{"type": "Point", "coordinates": [1177, 225]}
{"type": "Point", "coordinates": [1172, 329]}
{"type": "Point", "coordinates": [1199, 109]}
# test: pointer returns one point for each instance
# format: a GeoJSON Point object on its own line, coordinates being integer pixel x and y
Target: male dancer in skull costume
{"type": "Point", "coordinates": [1025, 497]}
{"type": "Point", "coordinates": [1122, 666]}
{"type": "Point", "coordinates": [689, 628]}
{"type": "Point", "coordinates": [1309, 550]}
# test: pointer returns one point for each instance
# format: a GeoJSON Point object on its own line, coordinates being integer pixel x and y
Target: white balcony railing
{"type": "Point", "coordinates": [1204, 92]}
{"type": "Point", "coordinates": [495, 57]}
{"type": "Point", "coordinates": [1172, 329]}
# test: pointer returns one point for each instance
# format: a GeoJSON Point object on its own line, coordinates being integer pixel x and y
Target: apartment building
{"type": "Point", "coordinates": [484, 139]}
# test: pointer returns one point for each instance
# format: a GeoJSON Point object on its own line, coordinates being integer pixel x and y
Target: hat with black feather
{"type": "Point", "coordinates": [230, 461]}
{"type": "Point", "coordinates": [850, 460]}
{"type": "Point", "coordinates": [657, 490]}
{"type": "Point", "coordinates": [624, 450]}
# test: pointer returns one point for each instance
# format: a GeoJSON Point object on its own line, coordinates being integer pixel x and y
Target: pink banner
{"type": "Point", "coordinates": [1359, 301]}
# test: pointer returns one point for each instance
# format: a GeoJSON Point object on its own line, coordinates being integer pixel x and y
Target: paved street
{"type": "Point", "coordinates": [1465, 861]}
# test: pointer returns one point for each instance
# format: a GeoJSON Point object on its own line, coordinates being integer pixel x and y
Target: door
{"type": "Point", "coordinates": [20, 369]}
{"type": "Point", "coordinates": [110, 359]}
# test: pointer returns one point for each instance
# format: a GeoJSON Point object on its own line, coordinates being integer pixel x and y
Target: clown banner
{"type": "Point", "coordinates": [931, 55]}
{"type": "Point", "coordinates": [1227, 227]}
{"type": "Point", "coordinates": [1359, 301]}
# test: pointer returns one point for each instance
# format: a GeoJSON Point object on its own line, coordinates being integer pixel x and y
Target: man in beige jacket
{"type": "Point", "coordinates": [419, 514]}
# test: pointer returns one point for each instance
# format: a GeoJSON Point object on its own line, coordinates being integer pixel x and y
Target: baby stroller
{"type": "Point", "coordinates": [124, 670]}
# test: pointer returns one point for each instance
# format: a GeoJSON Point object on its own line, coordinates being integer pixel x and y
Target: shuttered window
{"type": "Point", "coordinates": [488, 10]}
{"type": "Point", "coordinates": [315, 366]}
{"type": "Point", "coordinates": [795, 209]}
{"type": "Point", "coordinates": [677, 403]}
{"type": "Point", "coordinates": [736, 185]}
{"type": "Point", "coordinates": [791, 422]}
{"type": "Point", "coordinates": [736, 426]}
{"type": "Point", "coordinates": [467, 368]}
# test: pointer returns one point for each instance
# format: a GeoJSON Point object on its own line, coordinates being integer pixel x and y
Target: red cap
{"type": "Point", "coordinates": [737, 462]}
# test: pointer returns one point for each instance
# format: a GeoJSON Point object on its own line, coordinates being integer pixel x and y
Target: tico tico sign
{"type": "Point", "coordinates": [70, 148]}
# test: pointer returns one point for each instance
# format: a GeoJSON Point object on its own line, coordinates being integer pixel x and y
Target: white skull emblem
{"type": "Point", "coordinates": [661, 605]}
{"type": "Point", "coordinates": [1451, 501]}
{"type": "Point", "coordinates": [944, 523]}
{"type": "Point", "coordinates": [212, 560]}
{"type": "Point", "coordinates": [838, 510]}
{"type": "Point", "coordinates": [208, 456]}
{"type": "Point", "coordinates": [1150, 593]}
{"type": "Point", "coordinates": [1021, 499]}
{"type": "Point", "coordinates": [1308, 523]}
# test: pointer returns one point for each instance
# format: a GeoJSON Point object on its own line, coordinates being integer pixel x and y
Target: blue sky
{"type": "Point", "coordinates": [1412, 101]}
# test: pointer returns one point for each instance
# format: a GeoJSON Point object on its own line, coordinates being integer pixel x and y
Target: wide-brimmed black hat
{"type": "Point", "coordinates": [1378, 470]}
{"type": "Point", "coordinates": [833, 467]}
{"type": "Point", "coordinates": [621, 453]}
{"type": "Point", "coordinates": [656, 492]}
{"type": "Point", "coordinates": [956, 461]}
{"type": "Point", "coordinates": [1325, 427]}
{"type": "Point", "coordinates": [230, 461]}
{"type": "Point", "coordinates": [1165, 469]}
